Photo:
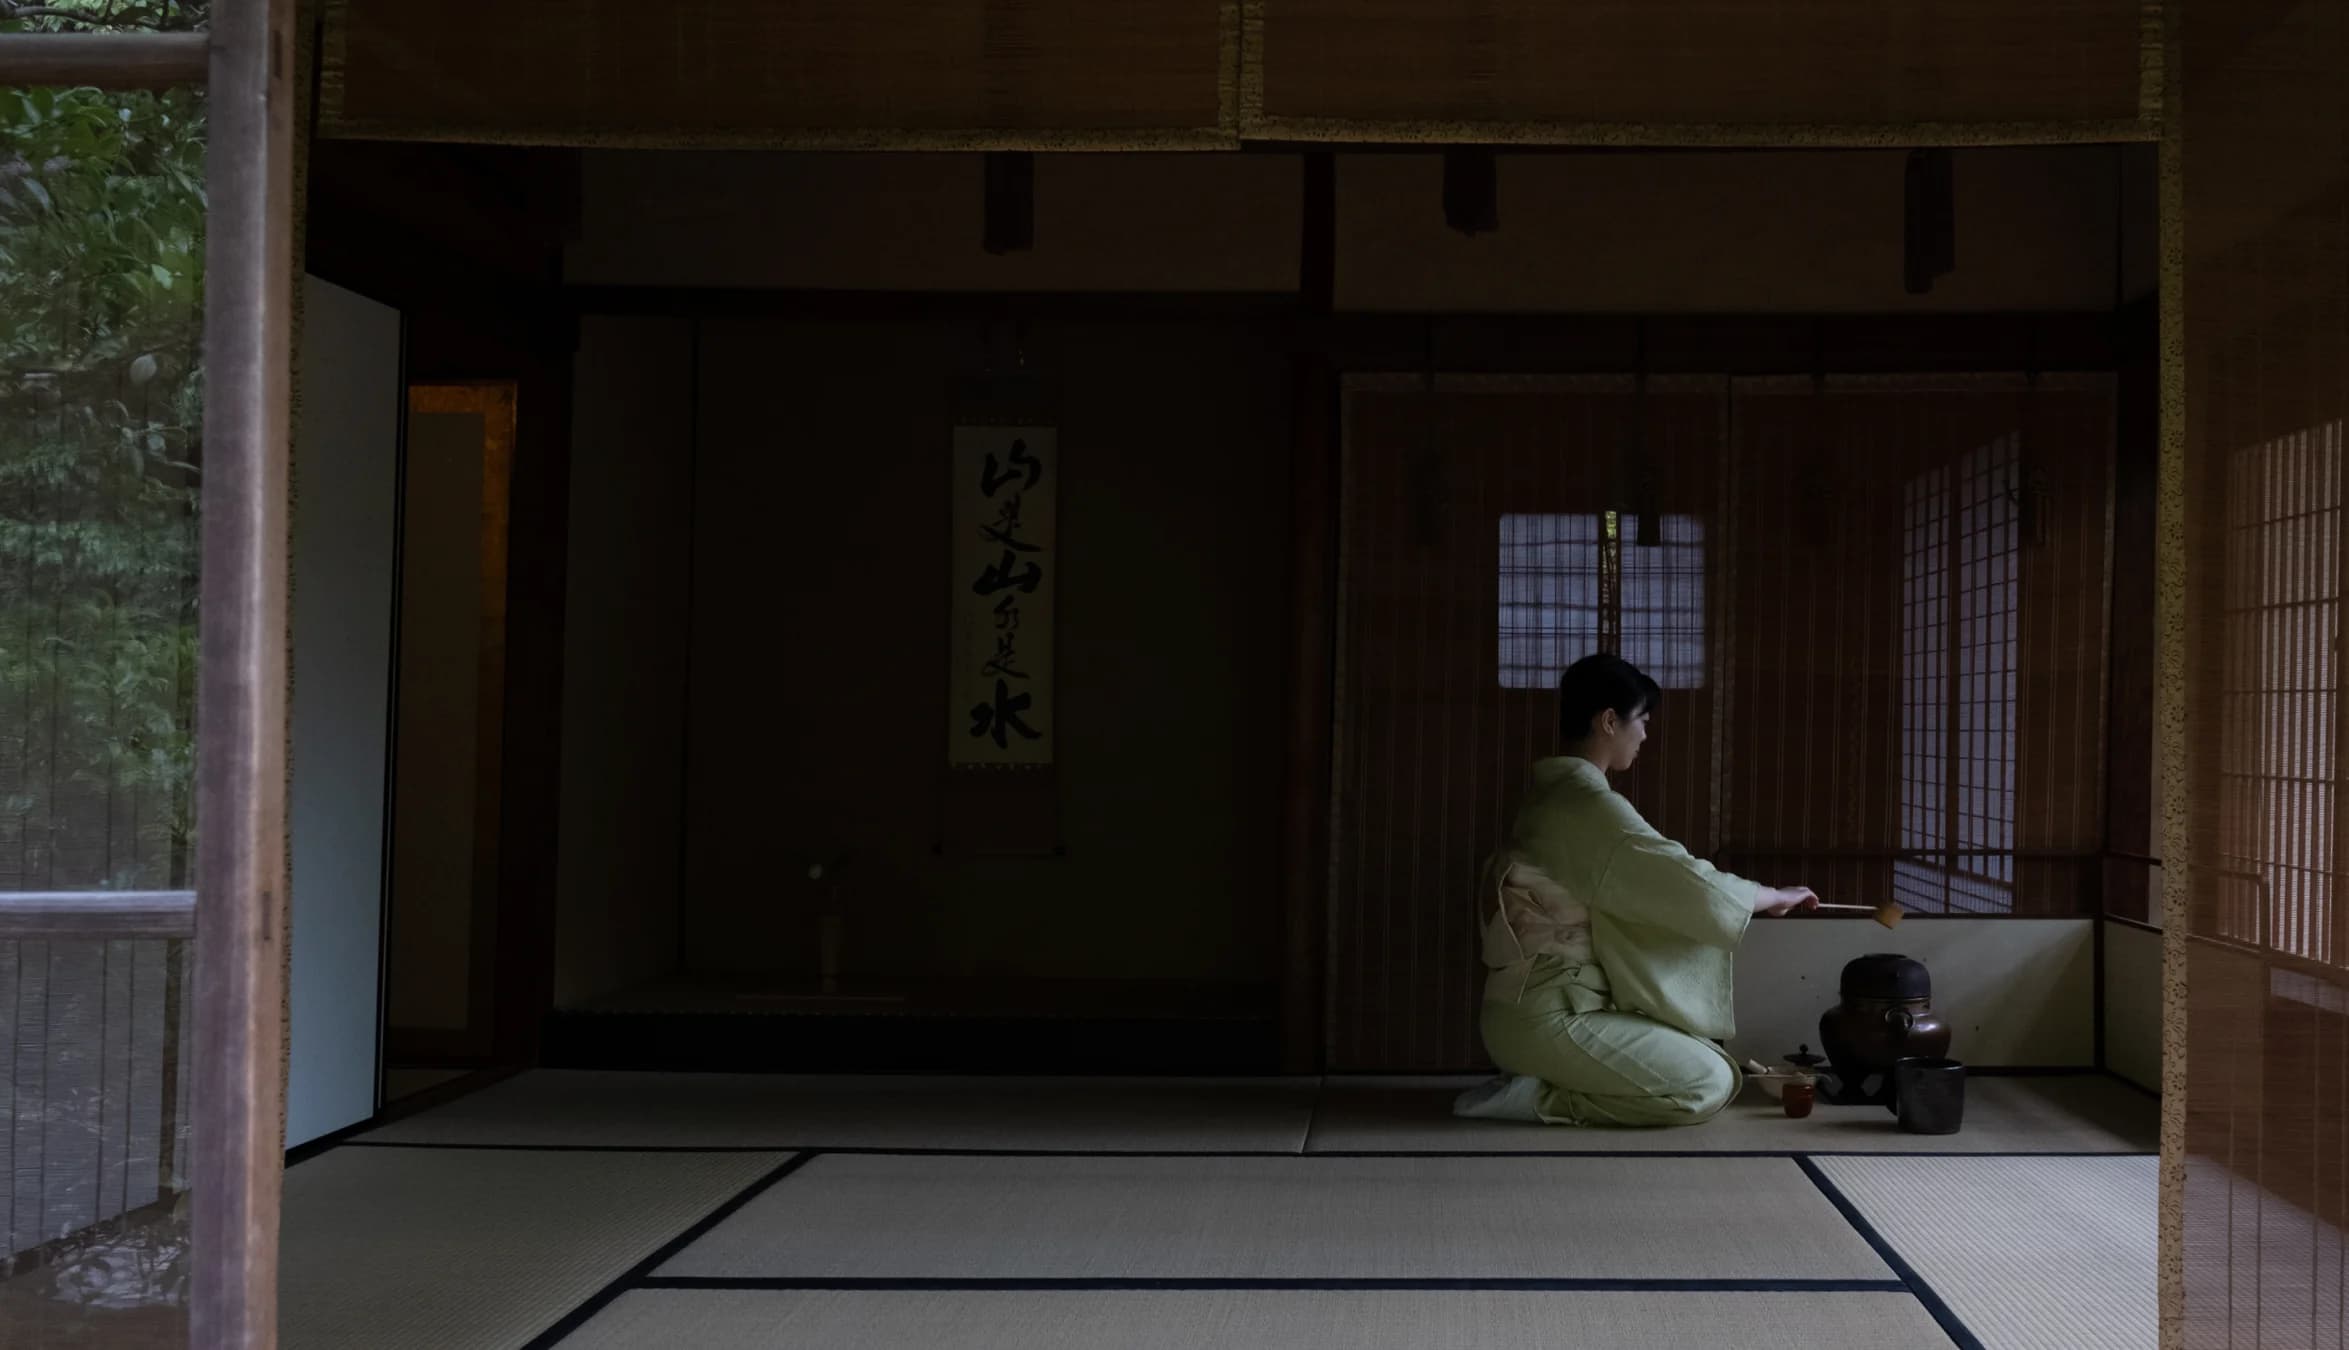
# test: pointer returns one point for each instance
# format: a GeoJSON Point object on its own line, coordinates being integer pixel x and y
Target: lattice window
{"type": "Point", "coordinates": [1960, 612]}
{"type": "Point", "coordinates": [1573, 584]}
{"type": "Point", "coordinates": [2280, 692]}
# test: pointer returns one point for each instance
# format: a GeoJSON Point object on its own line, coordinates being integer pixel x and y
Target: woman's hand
{"type": "Point", "coordinates": [1779, 901]}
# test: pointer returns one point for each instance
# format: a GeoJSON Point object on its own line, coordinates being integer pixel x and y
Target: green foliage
{"type": "Point", "coordinates": [98, 16]}
{"type": "Point", "coordinates": [101, 389]}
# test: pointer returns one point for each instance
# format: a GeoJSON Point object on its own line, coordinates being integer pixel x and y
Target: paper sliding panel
{"type": "Point", "coordinates": [1702, 71]}
{"type": "Point", "coordinates": [945, 74]}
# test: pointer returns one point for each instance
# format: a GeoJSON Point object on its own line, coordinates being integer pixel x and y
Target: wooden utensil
{"type": "Point", "coordinates": [1889, 913]}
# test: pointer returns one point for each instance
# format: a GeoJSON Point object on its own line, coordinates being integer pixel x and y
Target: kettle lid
{"type": "Point", "coordinates": [1886, 975]}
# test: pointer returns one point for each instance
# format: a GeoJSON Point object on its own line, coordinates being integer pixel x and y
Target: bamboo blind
{"type": "Point", "coordinates": [946, 74]}
{"type": "Point", "coordinates": [2253, 689]}
{"type": "Point", "coordinates": [1692, 71]}
{"type": "Point", "coordinates": [1865, 691]}
{"type": "Point", "coordinates": [1199, 74]}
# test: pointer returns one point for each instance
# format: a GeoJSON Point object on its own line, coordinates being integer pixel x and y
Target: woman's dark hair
{"type": "Point", "coordinates": [1596, 683]}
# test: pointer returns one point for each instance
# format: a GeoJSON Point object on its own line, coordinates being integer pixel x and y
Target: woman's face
{"type": "Point", "coordinates": [1619, 739]}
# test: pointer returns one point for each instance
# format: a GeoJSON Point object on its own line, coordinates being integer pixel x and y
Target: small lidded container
{"type": "Point", "coordinates": [1797, 1097]}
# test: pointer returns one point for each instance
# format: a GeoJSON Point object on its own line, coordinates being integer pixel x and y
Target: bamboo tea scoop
{"type": "Point", "coordinates": [1889, 913]}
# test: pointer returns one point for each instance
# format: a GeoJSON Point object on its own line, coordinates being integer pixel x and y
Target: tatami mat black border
{"type": "Point", "coordinates": [351, 1137]}
{"type": "Point", "coordinates": [1031, 1284]}
{"type": "Point", "coordinates": [640, 1277]}
{"type": "Point", "coordinates": [636, 1274]}
{"type": "Point", "coordinates": [909, 1152]}
{"type": "Point", "coordinates": [1941, 1312]}
{"type": "Point", "coordinates": [430, 1099]}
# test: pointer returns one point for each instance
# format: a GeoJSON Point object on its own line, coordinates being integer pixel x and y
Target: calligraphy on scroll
{"type": "Point", "coordinates": [1005, 572]}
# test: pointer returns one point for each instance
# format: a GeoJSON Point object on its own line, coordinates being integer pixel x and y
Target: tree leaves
{"type": "Point", "coordinates": [101, 391]}
{"type": "Point", "coordinates": [93, 16]}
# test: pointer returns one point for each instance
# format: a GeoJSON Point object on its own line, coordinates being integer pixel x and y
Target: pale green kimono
{"type": "Point", "coordinates": [1612, 953]}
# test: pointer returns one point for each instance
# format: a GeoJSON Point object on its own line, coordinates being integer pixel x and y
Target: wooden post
{"type": "Point", "coordinates": [1313, 608]}
{"type": "Point", "coordinates": [1312, 616]}
{"type": "Point", "coordinates": [238, 1153]}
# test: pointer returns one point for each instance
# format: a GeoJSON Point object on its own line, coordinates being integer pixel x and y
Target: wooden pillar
{"type": "Point", "coordinates": [241, 680]}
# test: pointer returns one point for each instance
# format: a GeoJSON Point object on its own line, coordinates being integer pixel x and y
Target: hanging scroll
{"type": "Point", "coordinates": [1000, 708]}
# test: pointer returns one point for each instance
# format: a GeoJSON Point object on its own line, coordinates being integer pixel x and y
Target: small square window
{"type": "Point", "coordinates": [1554, 605]}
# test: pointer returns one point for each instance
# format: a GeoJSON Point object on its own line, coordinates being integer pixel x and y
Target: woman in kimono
{"type": "Point", "coordinates": [1610, 949]}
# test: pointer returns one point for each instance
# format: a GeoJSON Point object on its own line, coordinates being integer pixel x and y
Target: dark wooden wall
{"type": "Point", "coordinates": [819, 613]}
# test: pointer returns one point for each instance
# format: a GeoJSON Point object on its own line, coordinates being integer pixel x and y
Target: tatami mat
{"type": "Point", "coordinates": [2083, 1114]}
{"type": "Point", "coordinates": [2030, 1253]}
{"type": "Point", "coordinates": [403, 1083]}
{"type": "Point", "coordinates": [791, 1111]}
{"type": "Point", "coordinates": [408, 1249]}
{"type": "Point", "coordinates": [869, 1216]}
{"type": "Point", "coordinates": [1259, 1320]}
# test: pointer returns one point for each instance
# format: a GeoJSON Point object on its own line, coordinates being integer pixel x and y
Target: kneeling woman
{"type": "Point", "coordinates": [1611, 950]}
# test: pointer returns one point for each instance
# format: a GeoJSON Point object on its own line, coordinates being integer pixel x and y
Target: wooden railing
{"type": "Point", "coordinates": [94, 1121]}
{"type": "Point", "coordinates": [98, 914]}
